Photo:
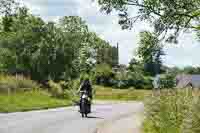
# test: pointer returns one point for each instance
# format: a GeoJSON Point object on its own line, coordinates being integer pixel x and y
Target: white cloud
{"type": "Point", "coordinates": [106, 26]}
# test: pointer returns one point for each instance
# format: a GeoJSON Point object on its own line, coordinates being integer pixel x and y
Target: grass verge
{"type": "Point", "coordinates": [37, 100]}
{"type": "Point", "coordinates": [27, 101]}
{"type": "Point", "coordinates": [107, 93]}
{"type": "Point", "coordinates": [173, 111]}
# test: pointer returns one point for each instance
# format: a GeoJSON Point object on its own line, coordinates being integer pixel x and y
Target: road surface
{"type": "Point", "coordinates": [106, 118]}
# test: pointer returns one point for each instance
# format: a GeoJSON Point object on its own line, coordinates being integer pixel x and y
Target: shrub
{"type": "Point", "coordinates": [146, 83]}
{"type": "Point", "coordinates": [103, 74]}
{"type": "Point", "coordinates": [56, 89]}
{"type": "Point", "coordinates": [72, 87]}
{"type": "Point", "coordinates": [167, 81]}
{"type": "Point", "coordinates": [16, 83]}
{"type": "Point", "coordinates": [73, 84]}
{"type": "Point", "coordinates": [25, 83]}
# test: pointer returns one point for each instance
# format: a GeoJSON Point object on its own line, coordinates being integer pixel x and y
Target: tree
{"type": "Point", "coordinates": [73, 24]}
{"type": "Point", "coordinates": [7, 9]}
{"type": "Point", "coordinates": [40, 50]}
{"type": "Point", "coordinates": [47, 51]}
{"type": "Point", "coordinates": [20, 37]}
{"type": "Point", "coordinates": [52, 59]}
{"type": "Point", "coordinates": [88, 47]}
{"type": "Point", "coordinates": [103, 73]}
{"type": "Point", "coordinates": [150, 51]}
{"type": "Point", "coordinates": [82, 42]}
{"type": "Point", "coordinates": [191, 70]}
{"type": "Point", "coordinates": [166, 15]}
{"type": "Point", "coordinates": [135, 66]}
{"type": "Point", "coordinates": [7, 6]}
{"type": "Point", "coordinates": [107, 54]}
{"type": "Point", "coordinates": [6, 60]}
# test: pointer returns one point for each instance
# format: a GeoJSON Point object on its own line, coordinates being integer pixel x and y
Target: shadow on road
{"type": "Point", "coordinates": [94, 117]}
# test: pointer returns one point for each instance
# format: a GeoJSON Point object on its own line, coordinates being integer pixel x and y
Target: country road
{"type": "Point", "coordinates": [106, 118]}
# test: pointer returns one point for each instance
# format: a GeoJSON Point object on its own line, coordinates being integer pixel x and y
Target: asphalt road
{"type": "Point", "coordinates": [68, 120]}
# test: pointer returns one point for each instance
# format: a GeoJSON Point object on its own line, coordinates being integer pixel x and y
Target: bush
{"type": "Point", "coordinates": [16, 83]}
{"type": "Point", "coordinates": [65, 89]}
{"type": "Point", "coordinates": [147, 83]}
{"type": "Point", "coordinates": [167, 81]}
{"type": "Point", "coordinates": [71, 88]}
{"type": "Point", "coordinates": [56, 89]}
{"type": "Point", "coordinates": [73, 84]}
{"type": "Point", "coordinates": [103, 74]}
{"type": "Point", "coordinates": [138, 83]}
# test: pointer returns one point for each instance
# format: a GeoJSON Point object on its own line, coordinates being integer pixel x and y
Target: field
{"type": "Point", "coordinates": [106, 93]}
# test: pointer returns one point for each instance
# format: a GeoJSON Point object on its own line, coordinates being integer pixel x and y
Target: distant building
{"type": "Point", "coordinates": [183, 81]}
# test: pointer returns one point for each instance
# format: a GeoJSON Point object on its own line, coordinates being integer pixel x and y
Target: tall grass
{"type": "Point", "coordinates": [173, 111]}
{"type": "Point", "coordinates": [16, 83]}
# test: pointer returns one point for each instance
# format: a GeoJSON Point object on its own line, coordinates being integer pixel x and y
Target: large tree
{"type": "Point", "coordinates": [83, 42]}
{"type": "Point", "coordinates": [167, 16]}
{"type": "Point", "coordinates": [150, 51]}
{"type": "Point", "coordinates": [28, 45]}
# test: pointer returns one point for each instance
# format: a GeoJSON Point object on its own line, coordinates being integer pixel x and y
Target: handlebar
{"type": "Point", "coordinates": [83, 91]}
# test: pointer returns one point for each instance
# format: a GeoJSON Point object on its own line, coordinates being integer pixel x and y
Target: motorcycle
{"type": "Point", "coordinates": [84, 104]}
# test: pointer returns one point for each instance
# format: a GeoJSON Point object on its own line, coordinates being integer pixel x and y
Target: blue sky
{"type": "Point", "coordinates": [187, 52]}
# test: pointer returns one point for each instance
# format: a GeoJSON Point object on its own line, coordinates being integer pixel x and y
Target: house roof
{"type": "Point", "coordinates": [196, 81]}
{"type": "Point", "coordinates": [185, 80]}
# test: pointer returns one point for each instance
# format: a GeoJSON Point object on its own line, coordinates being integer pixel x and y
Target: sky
{"type": "Point", "coordinates": [106, 26]}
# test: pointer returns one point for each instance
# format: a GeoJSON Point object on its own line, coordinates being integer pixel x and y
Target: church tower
{"type": "Point", "coordinates": [117, 52]}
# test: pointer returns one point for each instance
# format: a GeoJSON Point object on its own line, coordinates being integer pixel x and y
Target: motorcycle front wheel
{"type": "Point", "coordinates": [82, 114]}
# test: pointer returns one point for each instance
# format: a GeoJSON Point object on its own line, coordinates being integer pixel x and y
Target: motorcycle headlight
{"type": "Point", "coordinates": [84, 96]}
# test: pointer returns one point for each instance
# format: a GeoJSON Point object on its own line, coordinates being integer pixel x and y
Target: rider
{"type": "Point", "coordinates": [86, 86]}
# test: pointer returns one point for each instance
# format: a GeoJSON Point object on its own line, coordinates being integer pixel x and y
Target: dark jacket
{"type": "Point", "coordinates": [86, 85]}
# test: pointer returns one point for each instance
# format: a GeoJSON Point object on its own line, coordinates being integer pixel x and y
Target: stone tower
{"type": "Point", "coordinates": [117, 53]}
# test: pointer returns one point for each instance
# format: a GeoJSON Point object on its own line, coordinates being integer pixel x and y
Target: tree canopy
{"type": "Point", "coordinates": [168, 17]}
{"type": "Point", "coordinates": [47, 50]}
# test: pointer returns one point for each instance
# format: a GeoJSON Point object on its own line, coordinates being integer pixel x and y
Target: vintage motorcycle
{"type": "Point", "coordinates": [85, 103]}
